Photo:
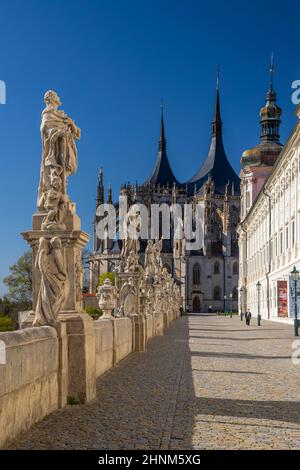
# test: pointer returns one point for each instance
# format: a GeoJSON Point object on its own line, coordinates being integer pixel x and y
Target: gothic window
{"type": "Point", "coordinates": [196, 274]}
{"type": "Point", "coordinates": [217, 268]}
{"type": "Point", "coordinates": [235, 268]}
{"type": "Point", "coordinates": [217, 293]}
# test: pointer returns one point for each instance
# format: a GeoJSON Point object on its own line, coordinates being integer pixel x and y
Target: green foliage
{"type": "Point", "coordinates": [6, 323]}
{"type": "Point", "coordinates": [19, 282]}
{"type": "Point", "coordinates": [72, 400]}
{"type": "Point", "coordinates": [227, 314]}
{"type": "Point", "coordinates": [110, 276]}
{"type": "Point", "coordinates": [95, 313]}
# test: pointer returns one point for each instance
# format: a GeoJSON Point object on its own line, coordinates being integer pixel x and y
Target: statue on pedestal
{"type": "Point", "coordinates": [132, 226]}
{"type": "Point", "coordinates": [59, 160]}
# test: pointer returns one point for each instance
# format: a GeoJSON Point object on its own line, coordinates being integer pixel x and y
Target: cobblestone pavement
{"type": "Point", "coordinates": [209, 383]}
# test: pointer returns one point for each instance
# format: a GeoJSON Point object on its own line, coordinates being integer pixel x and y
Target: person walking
{"type": "Point", "coordinates": [248, 318]}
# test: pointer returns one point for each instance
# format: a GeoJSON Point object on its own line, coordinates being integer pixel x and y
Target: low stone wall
{"type": "Point", "coordinates": [123, 338]}
{"type": "Point", "coordinates": [149, 326]}
{"type": "Point", "coordinates": [113, 342]}
{"type": "Point", "coordinates": [44, 366]}
{"type": "Point", "coordinates": [29, 383]}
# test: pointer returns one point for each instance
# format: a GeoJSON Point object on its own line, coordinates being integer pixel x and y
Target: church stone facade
{"type": "Point", "coordinates": [208, 276]}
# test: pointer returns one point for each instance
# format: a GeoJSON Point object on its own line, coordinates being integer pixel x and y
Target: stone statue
{"type": "Point", "coordinates": [150, 258]}
{"type": "Point", "coordinates": [157, 247]}
{"type": "Point", "coordinates": [132, 263]}
{"type": "Point", "coordinates": [131, 226]}
{"type": "Point", "coordinates": [128, 298]}
{"type": "Point", "coordinates": [59, 160]}
{"type": "Point", "coordinates": [54, 282]}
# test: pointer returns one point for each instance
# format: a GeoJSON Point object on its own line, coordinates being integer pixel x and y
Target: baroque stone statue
{"type": "Point", "coordinates": [128, 298]}
{"type": "Point", "coordinates": [150, 258]}
{"type": "Point", "coordinates": [54, 282]}
{"type": "Point", "coordinates": [59, 160]}
{"type": "Point", "coordinates": [131, 226]}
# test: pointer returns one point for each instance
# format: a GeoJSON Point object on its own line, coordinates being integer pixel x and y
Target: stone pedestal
{"type": "Point", "coordinates": [63, 381]}
{"type": "Point", "coordinates": [75, 328]}
{"type": "Point", "coordinates": [158, 324]}
{"type": "Point", "coordinates": [138, 333]}
{"type": "Point", "coordinates": [166, 320]}
{"type": "Point", "coordinates": [81, 356]}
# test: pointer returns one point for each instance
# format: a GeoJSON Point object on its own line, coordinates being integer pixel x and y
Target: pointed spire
{"type": "Point", "coordinates": [216, 163]}
{"type": "Point", "coordinates": [100, 189]}
{"type": "Point", "coordinates": [162, 173]}
{"type": "Point", "coordinates": [162, 139]}
{"type": "Point", "coordinates": [109, 194]}
{"type": "Point", "coordinates": [270, 113]}
{"type": "Point", "coordinates": [217, 121]}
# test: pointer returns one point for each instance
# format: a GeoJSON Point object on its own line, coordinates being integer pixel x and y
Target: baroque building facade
{"type": "Point", "coordinates": [208, 276]}
{"type": "Point", "coordinates": [269, 230]}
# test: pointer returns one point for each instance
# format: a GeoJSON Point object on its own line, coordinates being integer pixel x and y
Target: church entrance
{"type": "Point", "coordinates": [196, 304]}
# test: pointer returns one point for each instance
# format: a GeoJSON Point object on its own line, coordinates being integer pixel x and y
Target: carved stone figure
{"type": "Point", "coordinates": [150, 258]}
{"type": "Point", "coordinates": [128, 298]}
{"type": "Point", "coordinates": [59, 160]}
{"type": "Point", "coordinates": [132, 263]}
{"type": "Point", "coordinates": [54, 282]}
{"type": "Point", "coordinates": [131, 227]}
{"type": "Point", "coordinates": [157, 247]}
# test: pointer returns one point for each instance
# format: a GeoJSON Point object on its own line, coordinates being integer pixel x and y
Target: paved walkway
{"type": "Point", "coordinates": [210, 382]}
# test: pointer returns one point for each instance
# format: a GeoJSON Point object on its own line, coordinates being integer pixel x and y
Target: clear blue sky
{"type": "Point", "coordinates": [112, 61]}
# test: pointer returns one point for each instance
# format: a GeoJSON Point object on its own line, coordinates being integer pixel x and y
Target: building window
{"type": "Point", "coordinates": [293, 233]}
{"type": "Point", "coordinates": [217, 293]}
{"type": "Point", "coordinates": [281, 243]}
{"type": "Point", "coordinates": [286, 238]}
{"type": "Point", "coordinates": [235, 268]}
{"type": "Point", "coordinates": [217, 268]}
{"type": "Point", "coordinates": [196, 274]}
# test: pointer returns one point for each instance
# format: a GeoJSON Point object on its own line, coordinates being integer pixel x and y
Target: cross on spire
{"type": "Point", "coordinates": [271, 70]}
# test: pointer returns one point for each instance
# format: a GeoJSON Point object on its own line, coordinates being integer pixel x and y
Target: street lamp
{"type": "Point", "coordinates": [258, 287]}
{"type": "Point", "coordinates": [241, 302]}
{"type": "Point", "coordinates": [225, 304]}
{"type": "Point", "coordinates": [230, 305]}
{"type": "Point", "coordinates": [295, 277]}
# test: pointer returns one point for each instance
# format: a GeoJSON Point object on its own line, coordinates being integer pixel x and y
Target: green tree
{"type": "Point", "coordinates": [19, 282]}
{"type": "Point", "coordinates": [110, 276]}
{"type": "Point", "coordinates": [6, 323]}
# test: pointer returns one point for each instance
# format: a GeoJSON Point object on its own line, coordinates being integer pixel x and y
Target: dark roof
{"type": "Point", "coordinates": [216, 164]}
{"type": "Point", "coordinates": [162, 173]}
